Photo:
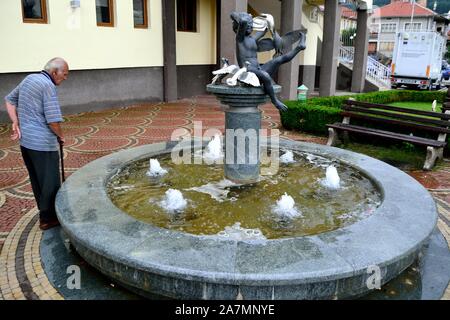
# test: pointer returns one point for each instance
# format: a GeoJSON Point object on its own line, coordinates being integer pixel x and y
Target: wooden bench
{"type": "Point", "coordinates": [432, 123]}
{"type": "Point", "coordinates": [446, 106]}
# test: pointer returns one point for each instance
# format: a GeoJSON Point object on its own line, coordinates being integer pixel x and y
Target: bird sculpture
{"type": "Point", "coordinates": [248, 77]}
{"type": "Point", "coordinates": [226, 70]}
{"type": "Point", "coordinates": [233, 80]}
{"type": "Point", "coordinates": [244, 76]}
{"type": "Point", "coordinates": [277, 43]}
{"type": "Point", "coordinates": [277, 40]}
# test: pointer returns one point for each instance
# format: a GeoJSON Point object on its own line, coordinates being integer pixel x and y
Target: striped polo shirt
{"type": "Point", "coordinates": [37, 105]}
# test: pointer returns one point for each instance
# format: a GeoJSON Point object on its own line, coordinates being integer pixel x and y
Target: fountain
{"type": "Point", "coordinates": [332, 180]}
{"type": "Point", "coordinates": [213, 150]}
{"type": "Point", "coordinates": [174, 201]}
{"type": "Point", "coordinates": [286, 207]}
{"type": "Point", "coordinates": [288, 157]}
{"type": "Point", "coordinates": [155, 169]}
{"type": "Point", "coordinates": [279, 235]}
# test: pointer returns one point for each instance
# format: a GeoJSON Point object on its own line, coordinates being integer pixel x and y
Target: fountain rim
{"type": "Point", "coordinates": [91, 228]}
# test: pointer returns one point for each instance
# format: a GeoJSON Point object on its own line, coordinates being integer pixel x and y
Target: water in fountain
{"type": "Point", "coordinates": [174, 201]}
{"type": "Point", "coordinates": [288, 157]}
{"type": "Point", "coordinates": [123, 188]}
{"type": "Point", "coordinates": [213, 151]}
{"type": "Point", "coordinates": [286, 207]}
{"type": "Point", "coordinates": [332, 179]}
{"type": "Point", "coordinates": [218, 191]}
{"type": "Point", "coordinates": [317, 160]}
{"type": "Point", "coordinates": [213, 203]}
{"type": "Point", "coordinates": [155, 169]}
{"type": "Point", "coordinates": [236, 232]}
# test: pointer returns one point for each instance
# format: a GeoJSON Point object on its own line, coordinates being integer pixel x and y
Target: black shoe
{"type": "Point", "coordinates": [49, 224]}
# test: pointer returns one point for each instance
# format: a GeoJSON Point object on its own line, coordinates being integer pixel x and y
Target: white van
{"type": "Point", "coordinates": [417, 60]}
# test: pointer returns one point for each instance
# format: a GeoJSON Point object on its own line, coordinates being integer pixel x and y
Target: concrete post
{"type": "Point", "coordinates": [227, 42]}
{"type": "Point", "coordinates": [308, 77]}
{"type": "Point", "coordinates": [170, 50]}
{"type": "Point", "coordinates": [361, 52]}
{"type": "Point", "coordinates": [330, 48]}
{"type": "Point", "coordinates": [291, 13]}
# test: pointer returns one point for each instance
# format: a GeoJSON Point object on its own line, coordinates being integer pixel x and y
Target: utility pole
{"type": "Point", "coordinates": [412, 14]}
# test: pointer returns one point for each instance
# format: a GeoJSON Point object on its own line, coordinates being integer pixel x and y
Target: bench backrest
{"type": "Point", "coordinates": [445, 106]}
{"type": "Point", "coordinates": [423, 120]}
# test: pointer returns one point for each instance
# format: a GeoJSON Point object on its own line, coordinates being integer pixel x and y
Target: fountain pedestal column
{"type": "Point", "coordinates": [242, 128]}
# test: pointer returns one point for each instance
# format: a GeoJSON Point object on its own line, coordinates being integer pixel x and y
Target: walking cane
{"type": "Point", "coordinates": [62, 160]}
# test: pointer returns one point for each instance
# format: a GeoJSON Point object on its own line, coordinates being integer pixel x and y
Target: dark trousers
{"type": "Point", "coordinates": [43, 169]}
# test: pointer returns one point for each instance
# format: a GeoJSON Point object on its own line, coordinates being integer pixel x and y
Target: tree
{"type": "Point", "coordinates": [348, 37]}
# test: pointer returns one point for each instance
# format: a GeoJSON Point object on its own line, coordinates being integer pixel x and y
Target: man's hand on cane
{"type": "Point", "coordinates": [15, 131]}
{"type": "Point", "coordinates": [61, 140]}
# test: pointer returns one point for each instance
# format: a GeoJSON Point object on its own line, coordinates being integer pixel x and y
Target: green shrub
{"type": "Point", "coordinates": [310, 118]}
{"type": "Point", "coordinates": [314, 114]}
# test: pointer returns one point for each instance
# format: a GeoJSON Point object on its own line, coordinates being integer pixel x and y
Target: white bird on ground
{"type": "Point", "coordinates": [222, 73]}
{"type": "Point", "coordinates": [433, 106]}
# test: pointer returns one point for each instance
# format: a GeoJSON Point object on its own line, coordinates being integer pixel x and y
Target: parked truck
{"type": "Point", "coordinates": [417, 60]}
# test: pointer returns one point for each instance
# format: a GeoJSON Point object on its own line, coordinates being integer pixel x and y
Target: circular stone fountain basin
{"type": "Point", "coordinates": [336, 264]}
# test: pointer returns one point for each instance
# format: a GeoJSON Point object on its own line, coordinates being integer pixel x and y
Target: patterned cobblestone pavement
{"type": "Point", "coordinates": [94, 134]}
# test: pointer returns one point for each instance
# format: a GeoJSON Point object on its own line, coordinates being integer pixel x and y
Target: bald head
{"type": "Point", "coordinates": [58, 69]}
{"type": "Point", "coordinates": [55, 64]}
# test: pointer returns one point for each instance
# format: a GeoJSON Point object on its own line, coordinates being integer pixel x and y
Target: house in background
{"type": "Point", "coordinates": [348, 18]}
{"type": "Point", "coordinates": [401, 15]}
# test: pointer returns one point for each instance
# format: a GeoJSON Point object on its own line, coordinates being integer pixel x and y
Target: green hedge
{"type": "Point", "coordinates": [314, 114]}
{"type": "Point", "coordinates": [309, 118]}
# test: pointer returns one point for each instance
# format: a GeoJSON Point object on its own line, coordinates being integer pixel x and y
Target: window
{"type": "Point", "coordinates": [34, 11]}
{"type": "Point", "coordinates": [187, 15]}
{"type": "Point", "coordinates": [374, 28]}
{"type": "Point", "coordinates": [105, 13]}
{"type": "Point", "coordinates": [388, 27]}
{"type": "Point", "coordinates": [416, 26]}
{"type": "Point", "coordinates": [140, 13]}
{"type": "Point", "coordinates": [387, 46]}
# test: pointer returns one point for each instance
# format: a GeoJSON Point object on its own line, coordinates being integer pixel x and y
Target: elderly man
{"type": "Point", "coordinates": [36, 115]}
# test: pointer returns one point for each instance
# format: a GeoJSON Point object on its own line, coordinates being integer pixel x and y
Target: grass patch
{"type": "Point", "coordinates": [404, 156]}
{"type": "Point", "coordinates": [416, 105]}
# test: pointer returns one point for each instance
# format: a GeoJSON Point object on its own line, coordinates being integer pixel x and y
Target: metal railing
{"type": "Point", "coordinates": [376, 72]}
{"type": "Point", "coordinates": [346, 55]}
